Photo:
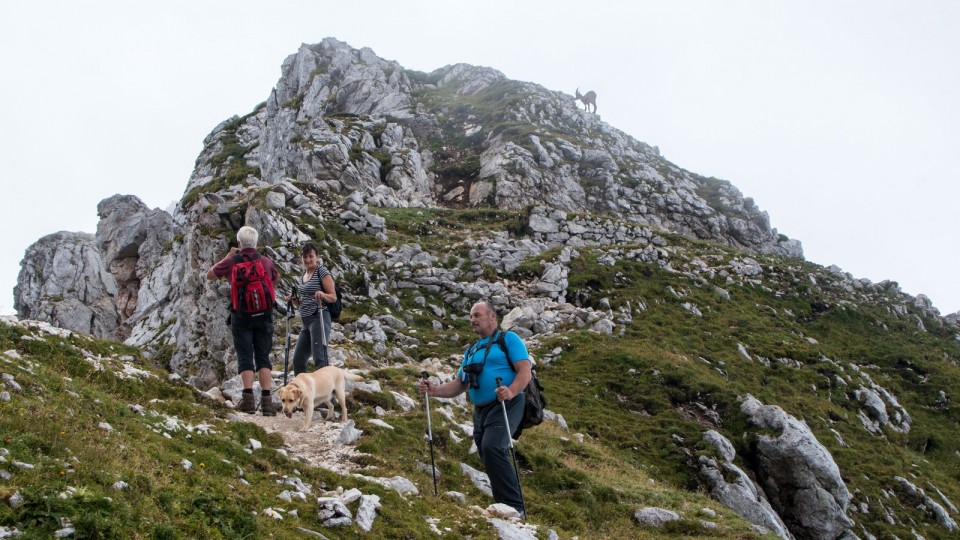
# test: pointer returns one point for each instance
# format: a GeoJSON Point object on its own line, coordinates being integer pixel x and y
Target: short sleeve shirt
{"type": "Point", "coordinates": [222, 268]}
{"type": "Point", "coordinates": [495, 365]}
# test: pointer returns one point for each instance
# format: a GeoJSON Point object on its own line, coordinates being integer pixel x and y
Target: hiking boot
{"type": "Point", "coordinates": [248, 404]}
{"type": "Point", "coordinates": [267, 408]}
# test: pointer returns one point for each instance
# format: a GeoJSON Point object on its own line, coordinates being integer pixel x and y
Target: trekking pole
{"type": "Point", "coordinates": [433, 463]}
{"type": "Point", "coordinates": [323, 331]}
{"type": "Point", "coordinates": [322, 306]}
{"type": "Point", "coordinates": [516, 469]}
{"type": "Point", "coordinates": [286, 356]}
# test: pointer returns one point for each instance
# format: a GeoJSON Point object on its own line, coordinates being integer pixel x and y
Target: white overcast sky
{"type": "Point", "coordinates": [840, 118]}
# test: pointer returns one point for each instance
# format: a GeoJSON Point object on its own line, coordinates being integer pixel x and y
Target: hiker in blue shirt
{"type": "Point", "coordinates": [482, 364]}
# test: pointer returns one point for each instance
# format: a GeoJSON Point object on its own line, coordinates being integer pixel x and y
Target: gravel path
{"type": "Point", "coordinates": [317, 446]}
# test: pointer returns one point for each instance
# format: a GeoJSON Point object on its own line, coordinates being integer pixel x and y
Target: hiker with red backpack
{"type": "Point", "coordinates": [252, 278]}
{"type": "Point", "coordinates": [316, 290]}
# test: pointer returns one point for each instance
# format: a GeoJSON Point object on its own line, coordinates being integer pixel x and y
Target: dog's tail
{"type": "Point", "coordinates": [350, 376]}
{"type": "Point", "coordinates": [340, 389]}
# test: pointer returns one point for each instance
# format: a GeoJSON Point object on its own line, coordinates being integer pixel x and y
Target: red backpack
{"type": "Point", "coordinates": [251, 289]}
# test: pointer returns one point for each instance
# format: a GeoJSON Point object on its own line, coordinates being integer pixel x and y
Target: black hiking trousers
{"type": "Point", "coordinates": [493, 447]}
{"type": "Point", "coordinates": [253, 339]}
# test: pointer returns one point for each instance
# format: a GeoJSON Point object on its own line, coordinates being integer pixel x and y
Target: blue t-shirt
{"type": "Point", "coordinates": [496, 365]}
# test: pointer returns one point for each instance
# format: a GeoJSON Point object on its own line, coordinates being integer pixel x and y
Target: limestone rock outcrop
{"type": "Point", "coordinates": [730, 485]}
{"type": "Point", "coordinates": [133, 242]}
{"type": "Point", "coordinates": [63, 281]}
{"type": "Point", "coordinates": [880, 408]}
{"type": "Point", "coordinates": [348, 121]}
{"type": "Point", "coordinates": [798, 474]}
{"type": "Point", "coordinates": [919, 497]}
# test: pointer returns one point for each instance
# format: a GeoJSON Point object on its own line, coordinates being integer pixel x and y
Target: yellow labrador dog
{"type": "Point", "coordinates": [309, 389]}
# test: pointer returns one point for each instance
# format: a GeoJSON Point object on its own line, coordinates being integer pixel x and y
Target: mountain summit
{"type": "Point", "coordinates": [344, 122]}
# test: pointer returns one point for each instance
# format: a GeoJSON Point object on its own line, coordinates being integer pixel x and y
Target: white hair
{"type": "Point", "coordinates": [247, 237]}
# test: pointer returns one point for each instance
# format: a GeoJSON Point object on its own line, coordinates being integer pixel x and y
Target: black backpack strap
{"type": "Point", "coordinates": [468, 355]}
{"type": "Point", "coordinates": [336, 288]}
{"type": "Point", "coordinates": [239, 257]}
{"type": "Point", "coordinates": [502, 342]}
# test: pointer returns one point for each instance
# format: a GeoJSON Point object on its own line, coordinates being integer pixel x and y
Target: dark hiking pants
{"type": "Point", "coordinates": [253, 339]}
{"type": "Point", "coordinates": [493, 447]}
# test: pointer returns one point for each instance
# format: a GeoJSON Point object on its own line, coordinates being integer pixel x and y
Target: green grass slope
{"type": "Point", "coordinates": [636, 404]}
{"type": "Point", "coordinates": [90, 414]}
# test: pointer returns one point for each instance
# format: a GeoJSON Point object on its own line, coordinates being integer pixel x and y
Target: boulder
{"type": "Point", "coordinates": [479, 479]}
{"type": "Point", "coordinates": [730, 485]}
{"type": "Point", "coordinates": [367, 511]}
{"type": "Point", "coordinates": [797, 473]}
{"type": "Point", "coordinates": [655, 517]}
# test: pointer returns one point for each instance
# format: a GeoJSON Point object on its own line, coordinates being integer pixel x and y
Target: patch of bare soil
{"type": "Point", "coordinates": [317, 446]}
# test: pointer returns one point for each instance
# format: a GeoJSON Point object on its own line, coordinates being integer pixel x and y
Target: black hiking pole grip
{"type": "Point", "coordinates": [433, 463]}
{"type": "Point", "coordinates": [513, 453]}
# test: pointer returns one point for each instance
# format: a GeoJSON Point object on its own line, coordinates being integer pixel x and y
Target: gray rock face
{"type": "Point", "coordinates": [915, 495]}
{"type": "Point", "coordinates": [102, 285]}
{"type": "Point", "coordinates": [798, 474]}
{"type": "Point", "coordinates": [358, 218]}
{"type": "Point", "coordinates": [132, 240]}
{"type": "Point", "coordinates": [880, 407]}
{"type": "Point", "coordinates": [63, 281]}
{"type": "Point", "coordinates": [730, 485]}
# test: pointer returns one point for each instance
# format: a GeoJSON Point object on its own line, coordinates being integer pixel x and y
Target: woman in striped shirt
{"type": "Point", "coordinates": [316, 288]}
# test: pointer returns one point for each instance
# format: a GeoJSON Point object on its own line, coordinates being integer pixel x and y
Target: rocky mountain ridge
{"type": "Point", "coordinates": [347, 121]}
{"type": "Point", "coordinates": [427, 192]}
{"type": "Point", "coordinates": [344, 121]}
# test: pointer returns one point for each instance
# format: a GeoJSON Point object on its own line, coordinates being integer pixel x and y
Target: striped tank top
{"type": "Point", "coordinates": [308, 290]}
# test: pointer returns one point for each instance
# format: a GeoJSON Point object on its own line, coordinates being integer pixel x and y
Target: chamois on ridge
{"type": "Point", "coordinates": [590, 98]}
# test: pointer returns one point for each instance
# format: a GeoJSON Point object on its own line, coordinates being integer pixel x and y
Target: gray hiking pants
{"type": "Point", "coordinates": [312, 341]}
